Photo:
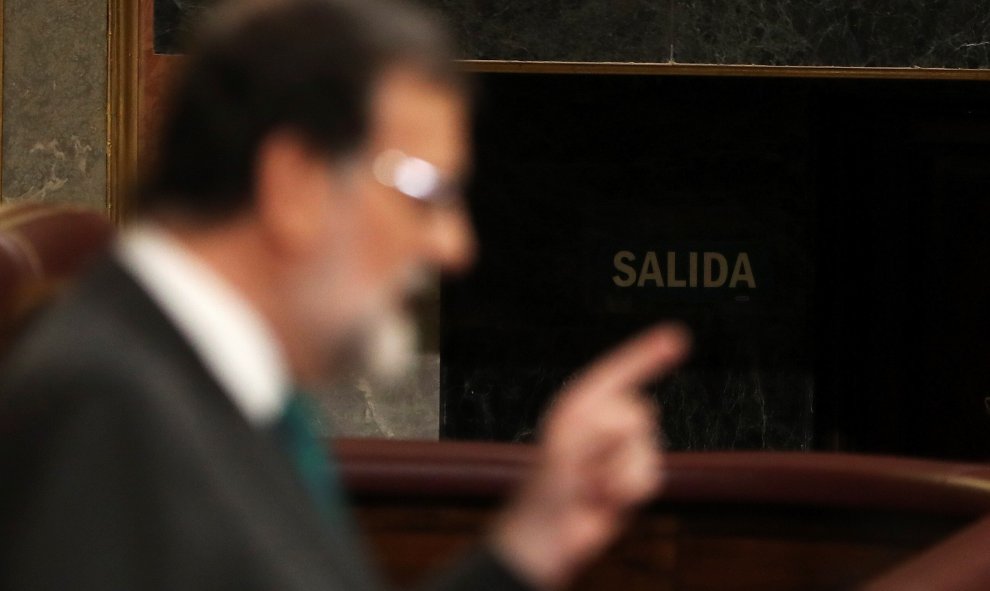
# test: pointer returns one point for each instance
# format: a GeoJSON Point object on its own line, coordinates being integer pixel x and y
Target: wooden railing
{"type": "Point", "coordinates": [736, 520]}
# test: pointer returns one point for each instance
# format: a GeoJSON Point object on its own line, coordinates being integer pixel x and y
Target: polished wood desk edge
{"type": "Point", "coordinates": [487, 471]}
{"type": "Point", "coordinates": [959, 563]}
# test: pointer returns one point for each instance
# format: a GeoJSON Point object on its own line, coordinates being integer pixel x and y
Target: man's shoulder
{"type": "Point", "coordinates": [97, 311]}
{"type": "Point", "coordinates": [102, 338]}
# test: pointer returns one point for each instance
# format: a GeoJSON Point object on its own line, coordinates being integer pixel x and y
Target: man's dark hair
{"type": "Point", "coordinates": [303, 65]}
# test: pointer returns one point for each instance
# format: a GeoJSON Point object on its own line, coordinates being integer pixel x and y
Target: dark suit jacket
{"type": "Point", "coordinates": [124, 465]}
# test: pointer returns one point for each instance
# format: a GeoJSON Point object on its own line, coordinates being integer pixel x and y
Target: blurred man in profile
{"type": "Point", "coordinates": [151, 434]}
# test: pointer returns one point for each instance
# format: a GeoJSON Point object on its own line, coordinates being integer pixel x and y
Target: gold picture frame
{"type": "Point", "coordinates": [122, 103]}
{"type": "Point", "coordinates": [1, 96]}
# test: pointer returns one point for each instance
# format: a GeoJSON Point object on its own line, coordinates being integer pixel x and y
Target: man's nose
{"type": "Point", "coordinates": [451, 241]}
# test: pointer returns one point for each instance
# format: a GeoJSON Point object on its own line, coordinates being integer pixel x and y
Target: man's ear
{"type": "Point", "coordinates": [292, 193]}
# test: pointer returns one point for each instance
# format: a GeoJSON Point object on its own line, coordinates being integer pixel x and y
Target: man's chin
{"type": "Point", "coordinates": [390, 347]}
{"type": "Point", "coordinates": [382, 350]}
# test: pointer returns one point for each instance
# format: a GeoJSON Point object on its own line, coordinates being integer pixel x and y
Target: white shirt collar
{"type": "Point", "coordinates": [230, 336]}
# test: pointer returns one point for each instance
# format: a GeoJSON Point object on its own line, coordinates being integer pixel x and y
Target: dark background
{"type": "Point", "coordinates": [864, 201]}
{"type": "Point", "coordinates": [863, 204]}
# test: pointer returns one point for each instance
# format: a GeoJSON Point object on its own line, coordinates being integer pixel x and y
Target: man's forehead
{"type": "Point", "coordinates": [412, 113]}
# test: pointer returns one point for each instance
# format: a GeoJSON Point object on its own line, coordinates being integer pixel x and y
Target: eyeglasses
{"type": "Point", "coordinates": [415, 178]}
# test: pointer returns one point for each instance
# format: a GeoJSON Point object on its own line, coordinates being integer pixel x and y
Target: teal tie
{"type": "Point", "coordinates": [298, 432]}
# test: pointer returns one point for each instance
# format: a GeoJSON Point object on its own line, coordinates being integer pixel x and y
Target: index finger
{"type": "Point", "coordinates": [653, 353]}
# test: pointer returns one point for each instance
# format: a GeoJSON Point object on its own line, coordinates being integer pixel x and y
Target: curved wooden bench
{"type": "Point", "coordinates": [732, 520]}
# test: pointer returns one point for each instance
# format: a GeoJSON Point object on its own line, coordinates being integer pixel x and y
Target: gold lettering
{"type": "Point", "coordinates": [623, 267]}
{"type": "Point", "coordinates": [650, 270]}
{"type": "Point", "coordinates": [723, 267]}
{"type": "Point", "coordinates": [693, 269]}
{"type": "Point", "coordinates": [742, 272]}
{"type": "Point", "coordinates": [672, 280]}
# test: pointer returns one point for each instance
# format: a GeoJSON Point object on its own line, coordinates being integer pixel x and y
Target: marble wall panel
{"type": "Point", "coordinates": [55, 100]}
{"type": "Point", "coordinates": [572, 30]}
{"type": "Point", "coordinates": [173, 20]}
{"type": "Point", "coordinates": [859, 203]}
{"type": "Point", "coordinates": [564, 30]}
{"type": "Point", "coordinates": [882, 33]}
{"type": "Point", "coordinates": [572, 170]}
{"type": "Point", "coordinates": [405, 409]}
{"type": "Point", "coordinates": [897, 33]}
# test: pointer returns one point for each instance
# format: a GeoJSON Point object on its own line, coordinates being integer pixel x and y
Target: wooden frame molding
{"type": "Point", "coordinates": [677, 69]}
{"type": "Point", "coordinates": [122, 104]}
{"type": "Point", "coordinates": [1, 97]}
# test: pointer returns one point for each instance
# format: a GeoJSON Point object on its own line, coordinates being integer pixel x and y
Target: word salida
{"type": "Point", "coordinates": [691, 269]}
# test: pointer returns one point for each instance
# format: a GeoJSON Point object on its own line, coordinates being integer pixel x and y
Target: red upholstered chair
{"type": "Point", "coordinates": [41, 246]}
